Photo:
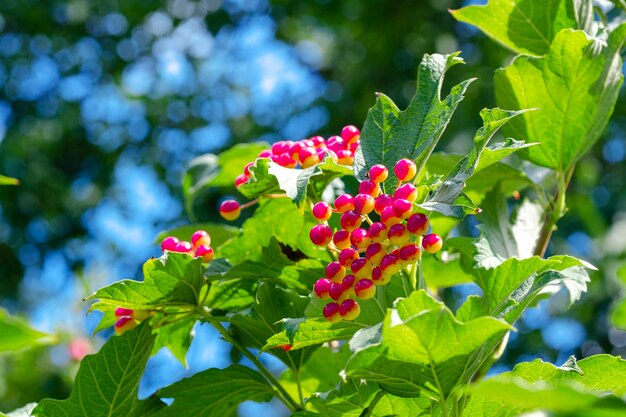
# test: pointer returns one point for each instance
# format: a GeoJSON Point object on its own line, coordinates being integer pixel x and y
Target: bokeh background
{"type": "Point", "coordinates": [103, 102]}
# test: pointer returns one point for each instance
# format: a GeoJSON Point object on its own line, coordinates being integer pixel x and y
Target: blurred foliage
{"type": "Point", "coordinates": [103, 103]}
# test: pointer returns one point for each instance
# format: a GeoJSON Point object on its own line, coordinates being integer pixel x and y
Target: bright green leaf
{"type": "Point", "coordinates": [8, 180]}
{"type": "Point", "coordinates": [176, 337]}
{"type": "Point", "coordinates": [16, 334]}
{"type": "Point", "coordinates": [231, 295]}
{"type": "Point", "coordinates": [348, 400]}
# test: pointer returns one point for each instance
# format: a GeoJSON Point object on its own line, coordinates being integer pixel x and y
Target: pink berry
{"type": "Point", "coordinates": [335, 272]}
{"type": "Point", "coordinates": [286, 160]}
{"type": "Point", "coordinates": [380, 277]}
{"type": "Point", "coordinates": [336, 144]}
{"type": "Point", "coordinates": [124, 324]}
{"type": "Point", "coordinates": [281, 147]}
{"type": "Point", "coordinates": [405, 169]}
{"type": "Point", "coordinates": [361, 268]}
{"type": "Point", "coordinates": [381, 202]}
{"type": "Point", "coordinates": [322, 211]}
{"type": "Point", "coordinates": [240, 180]}
{"type": "Point", "coordinates": [406, 191]}
{"type": "Point", "coordinates": [348, 285]}
{"type": "Point", "coordinates": [169, 243]}
{"type": "Point", "coordinates": [350, 133]}
{"type": "Point", "coordinates": [350, 220]}
{"type": "Point", "coordinates": [432, 243]}
{"type": "Point", "coordinates": [338, 292]}
{"type": "Point", "coordinates": [321, 235]}
{"type": "Point", "coordinates": [183, 247]}
{"type": "Point", "coordinates": [365, 289]}
{"type": "Point", "coordinates": [398, 235]}
{"type": "Point", "coordinates": [345, 157]}
{"type": "Point", "coordinates": [410, 253]}
{"type": "Point", "coordinates": [388, 217]}
{"type": "Point", "coordinates": [200, 237]}
{"type": "Point", "coordinates": [331, 312]}
{"type": "Point", "coordinates": [347, 256]}
{"type": "Point", "coordinates": [341, 239]}
{"type": "Point", "coordinates": [369, 187]}
{"type": "Point", "coordinates": [265, 154]}
{"type": "Point", "coordinates": [230, 210]}
{"type": "Point", "coordinates": [390, 264]}
{"type": "Point", "coordinates": [206, 252]}
{"type": "Point", "coordinates": [402, 208]}
{"type": "Point", "coordinates": [343, 203]}
{"type": "Point", "coordinates": [308, 157]}
{"type": "Point", "coordinates": [378, 173]}
{"type": "Point", "coordinates": [359, 238]}
{"type": "Point", "coordinates": [318, 141]}
{"type": "Point", "coordinates": [378, 232]}
{"type": "Point", "coordinates": [295, 149]}
{"type": "Point", "coordinates": [123, 312]}
{"type": "Point", "coordinates": [322, 287]}
{"type": "Point", "coordinates": [353, 146]}
{"type": "Point", "coordinates": [364, 203]}
{"type": "Point", "coordinates": [417, 224]}
{"type": "Point", "coordinates": [349, 310]}
{"type": "Point", "coordinates": [375, 253]}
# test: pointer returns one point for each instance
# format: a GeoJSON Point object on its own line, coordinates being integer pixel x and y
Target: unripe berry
{"type": "Point", "coordinates": [308, 157]}
{"type": "Point", "coordinates": [432, 243]}
{"type": "Point", "coordinates": [369, 187]}
{"type": "Point", "coordinates": [380, 277]}
{"type": "Point", "coordinates": [230, 210]}
{"type": "Point", "coordinates": [206, 252]}
{"type": "Point", "coordinates": [364, 203]}
{"type": "Point", "coordinates": [169, 243]}
{"type": "Point", "coordinates": [377, 232]}
{"type": "Point", "coordinates": [341, 239]}
{"type": "Point", "coordinates": [350, 133]}
{"type": "Point", "coordinates": [410, 253]}
{"type": "Point", "coordinates": [322, 287]}
{"type": "Point", "coordinates": [338, 292]}
{"type": "Point", "coordinates": [390, 264]}
{"type": "Point", "coordinates": [350, 220]}
{"type": "Point", "coordinates": [388, 217]}
{"type": "Point", "coordinates": [375, 253]}
{"type": "Point", "coordinates": [405, 169]}
{"type": "Point", "coordinates": [335, 272]}
{"type": "Point", "coordinates": [183, 247]}
{"type": "Point", "coordinates": [406, 191]}
{"type": "Point", "coordinates": [359, 238]}
{"type": "Point", "coordinates": [381, 202]}
{"type": "Point", "coordinates": [345, 157]}
{"type": "Point", "coordinates": [361, 268]}
{"type": "Point", "coordinates": [402, 208]}
{"type": "Point", "coordinates": [123, 312]}
{"type": "Point", "coordinates": [322, 211]}
{"type": "Point", "coordinates": [200, 237]}
{"type": "Point", "coordinates": [124, 324]}
{"type": "Point", "coordinates": [417, 224]}
{"type": "Point", "coordinates": [398, 235]}
{"type": "Point", "coordinates": [240, 180]}
{"type": "Point", "coordinates": [343, 203]}
{"type": "Point", "coordinates": [365, 289]}
{"type": "Point", "coordinates": [346, 257]}
{"type": "Point", "coordinates": [331, 312]}
{"type": "Point", "coordinates": [321, 235]}
{"type": "Point", "coordinates": [378, 173]}
{"type": "Point", "coordinates": [349, 310]}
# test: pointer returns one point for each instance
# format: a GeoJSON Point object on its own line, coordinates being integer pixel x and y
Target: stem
{"type": "Point", "coordinates": [296, 374]}
{"type": "Point", "coordinates": [284, 395]}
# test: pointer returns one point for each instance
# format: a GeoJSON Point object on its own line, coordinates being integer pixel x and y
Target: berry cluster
{"type": "Point", "coordinates": [128, 319]}
{"type": "Point", "coordinates": [395, 239]}
{"type": "Point", "coordinates": [200, 245]}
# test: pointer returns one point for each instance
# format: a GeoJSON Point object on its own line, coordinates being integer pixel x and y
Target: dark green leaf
{"type": "Point", "coordinates": [16, 334]}
{"type": "Point", "coordinates": [348, 400]}
{"type": "Point", "coordinates": [231, 295]}
{"type": "Point", "coordinates": [176, 337]}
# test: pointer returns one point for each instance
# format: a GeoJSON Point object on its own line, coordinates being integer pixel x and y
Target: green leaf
{"type": "Point", "coordinates": [424, 353]}
{"type": "Point", "coordinates": [390, 134]}
{"type": "Point", "coordinates": [312, 332]}
{"type": "Point", "coordinates": [231, 295]}
{"type": "Point", "coordinates": [176, 337]}
{"type": "Point", "coordinates": [444, 273]}
{"type": "Point", "coordinates": [526, 26]}
{"type": "Point", "coordinates": [261, 181]}
{"type": "Point", "coordinates": [538, 385]}
{"type": "Point", "coordinates": [8, 180]}
{"type": "Point", "coordinates": [585, 76]}
{"type": "Point", "coordinates": [172, 278]}
{"type": "Point", "coordinates": [215, 392]}
{"type": "Point", "coordinates": [391, 405]}
{"type": "Point", "coordinates": [16, 334]}
{"type": "Point", "coordinates": [330, 171]}
{"type": "Point", "coordinates": [219, 232]}
{"type": "Point", "coordinates": [451, 189]}
{"type": "Point", "coordinates": [348, 400]}
{"type": "Point", "coordinates": [107, 382]}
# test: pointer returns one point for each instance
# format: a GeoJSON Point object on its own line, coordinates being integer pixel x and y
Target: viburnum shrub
{"type": "Point", "coordinates": [328, 273]}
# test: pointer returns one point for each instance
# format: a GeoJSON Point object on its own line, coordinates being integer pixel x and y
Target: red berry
{"type": "Point", "coordinates": [361, 268]}
{"type": "Point", "coordinates": [200, 237]}
{"type": "Point", "coordinates": [169, 243]}
{"type": "Point", "coordinates": [353, 146]}
{"type": "Point", "coordinates": [335, 272]}
{"type": "Point", "coordinates": [350, 220]}
{"type": "Point", "coordinates": [406, 191]}
{"type": "Point", "coordinates": [365, 289]}
{"type": "Point", "coordinates": [378, 173]}
{"type": "Point", "coordinates": [308, 157]}
{"type": "Point", "coordinates": [123, 312]}
{"type": "Point", "coordinates": [350, 133]}
{"type": "Point", "coordinates": [405, 169]}
{"type": "Point", "coordinates": [322, 287]}
{"type": "Point", "coordinates": [341, 239]}
{"type": "Point", "coordinates": [265, 154]}
{"type": "Point", "coordinates": [381, 202]}
{"type": "Point", "coordinates": [338, 292]}
{"type": "Point", "coordinates": [364, 203]}
{"type": "Point", "coordinates": [348, 285]}
{"type": "Point", "coordinates": [343, 203]}
{"type": "Point", "coordinates": [346, 257]}
{"type": "Point", "coordinates": [398, 235]}
{"type": "Point", "coordinates": [375, 253]}
{"type": "Point", "coordinates": [322, 211]}
{"type": "Point", "coordinates": [390, 264]}
{"type": "Point", "coordinates": [359, 238]}
{"type": "Point", "coordinates": [295, 149]}
{"type": "Point", "coordinates": [336, 144]}
{"type": "Point", "coordinates": [240, 180]}
{"type": "Point", "coordinates": [410, 253]}
{"type": "Point", "coordinates": [206, 252]}
{"type": "Point", "coordinates": [230, 210]}
{"type": "Point", "coordinates": [380, 277]}
{"type": "Point", "coordinates": [349, 310]}
{"type": "Point", "coordinates": [281, 147]}
{"type": "Point", "coordinates": [321, 235]}
{"type": "Point", "coordinates": [388, 217]}
{"type": "Point", "coordinates": [345, 157]}
{"type": "Point", "coordinates": [402, 208]}
{"type": "Point", "coordinates": [286, 160]}
{"type": "Point", "coordinates": [331, 312]}
{"type": "Point", "coordinates": [183, 247]}
{"type": "Point", "coordinates": [318, 141]}
{"type": "Point", "coordinates": [124, 324]}
{"type": "Point", "coordinates": [369, 187]}
{"type": "Point", "coordinates": [377, 232]}
{"type": "Point", "coordinates": [432, 243]}
{"type": "Point", "coordinates": [417, 224]}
